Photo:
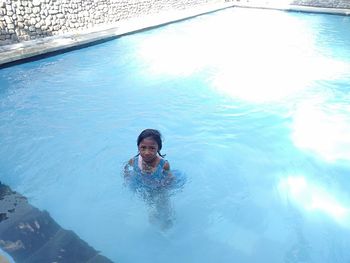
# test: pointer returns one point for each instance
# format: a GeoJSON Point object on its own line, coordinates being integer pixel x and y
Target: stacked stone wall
{"type": "Point", "coordinates": [22, 20]}
{"type": "Point", "coordinates": [324, 3]}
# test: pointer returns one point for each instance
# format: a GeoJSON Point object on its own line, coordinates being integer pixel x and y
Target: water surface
{"type": "Point", "coordinates": [254, 107]}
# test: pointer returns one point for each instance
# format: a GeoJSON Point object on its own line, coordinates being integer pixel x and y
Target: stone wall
{"type": "Point", "coordinates": [324, 3]}
{"type": "Point", "coordinates": [22, 20]}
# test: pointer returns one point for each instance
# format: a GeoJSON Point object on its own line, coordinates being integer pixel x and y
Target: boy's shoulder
{"type": "Point", "coordinates": [166, 165]}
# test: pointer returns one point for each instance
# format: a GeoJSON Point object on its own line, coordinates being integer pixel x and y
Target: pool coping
{"type": "Point", "coordinates": [20, 52]}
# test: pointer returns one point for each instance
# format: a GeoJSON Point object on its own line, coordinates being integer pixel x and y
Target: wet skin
{"type": "Point", "coordinates": [148, 149]}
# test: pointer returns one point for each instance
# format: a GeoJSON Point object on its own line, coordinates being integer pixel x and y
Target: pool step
{"type": "Point", "coordinates": [30, 235]}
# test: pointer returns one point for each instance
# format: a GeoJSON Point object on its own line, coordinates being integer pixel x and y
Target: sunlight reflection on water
{"type": "Point", "coordinates": [324, 130]}
{"type": "Point", "coordinates": [314, 198]}
{"type": "Point", "coordinates": [240, 68]}
{"type": "Point", "coordinates": [254, 108]}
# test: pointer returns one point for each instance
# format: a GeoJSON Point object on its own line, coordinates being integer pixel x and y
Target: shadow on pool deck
{"type": "Point", "coordinates": [39, 48]}
{"type": "Point", "coordinates": [30, 235]}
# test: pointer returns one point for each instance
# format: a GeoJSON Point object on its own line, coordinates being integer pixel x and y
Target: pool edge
{"type": "Point", "coordinates": [35, 49]}
{"type": "Point", "coordinates": [29, 234]}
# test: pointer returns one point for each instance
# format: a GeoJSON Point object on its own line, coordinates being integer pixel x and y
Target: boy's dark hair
{"type": "Point", "coordinates": [154, 134]}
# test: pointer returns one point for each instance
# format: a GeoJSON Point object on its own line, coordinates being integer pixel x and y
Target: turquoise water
{"type": "Point", "coordinates": [254, 107]}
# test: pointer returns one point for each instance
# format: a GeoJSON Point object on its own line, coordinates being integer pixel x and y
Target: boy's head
{"type": "Point", "coordinates": [151, 134]}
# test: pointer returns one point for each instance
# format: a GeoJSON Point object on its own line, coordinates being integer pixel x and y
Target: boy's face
{"type": "Point", "coordinates": [148, 149]}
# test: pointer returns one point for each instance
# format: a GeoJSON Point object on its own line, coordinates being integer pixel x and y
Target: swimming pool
{"type": "Point", "coordinates": [254, 107]}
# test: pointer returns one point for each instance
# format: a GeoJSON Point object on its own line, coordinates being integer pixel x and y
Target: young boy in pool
{"type": "Point", "coordinates": [149, 174]}
{"type": "Point", "coordinates": [148, 165]}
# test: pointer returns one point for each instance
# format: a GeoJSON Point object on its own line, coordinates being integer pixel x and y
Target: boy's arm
{"type": "Point", "coordinates": [127, 168]}
{"type": "Point", "coordinates": [169, 177]}
{"type": "Point", "coordinates": [166, 166]}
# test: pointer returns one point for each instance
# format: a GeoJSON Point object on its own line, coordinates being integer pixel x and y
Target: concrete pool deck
{"type": "Point", "coordinates": [13, 53]}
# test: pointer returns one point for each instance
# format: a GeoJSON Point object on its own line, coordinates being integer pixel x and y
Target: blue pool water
{"type": "Point", "coordinates": [254, 107]}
